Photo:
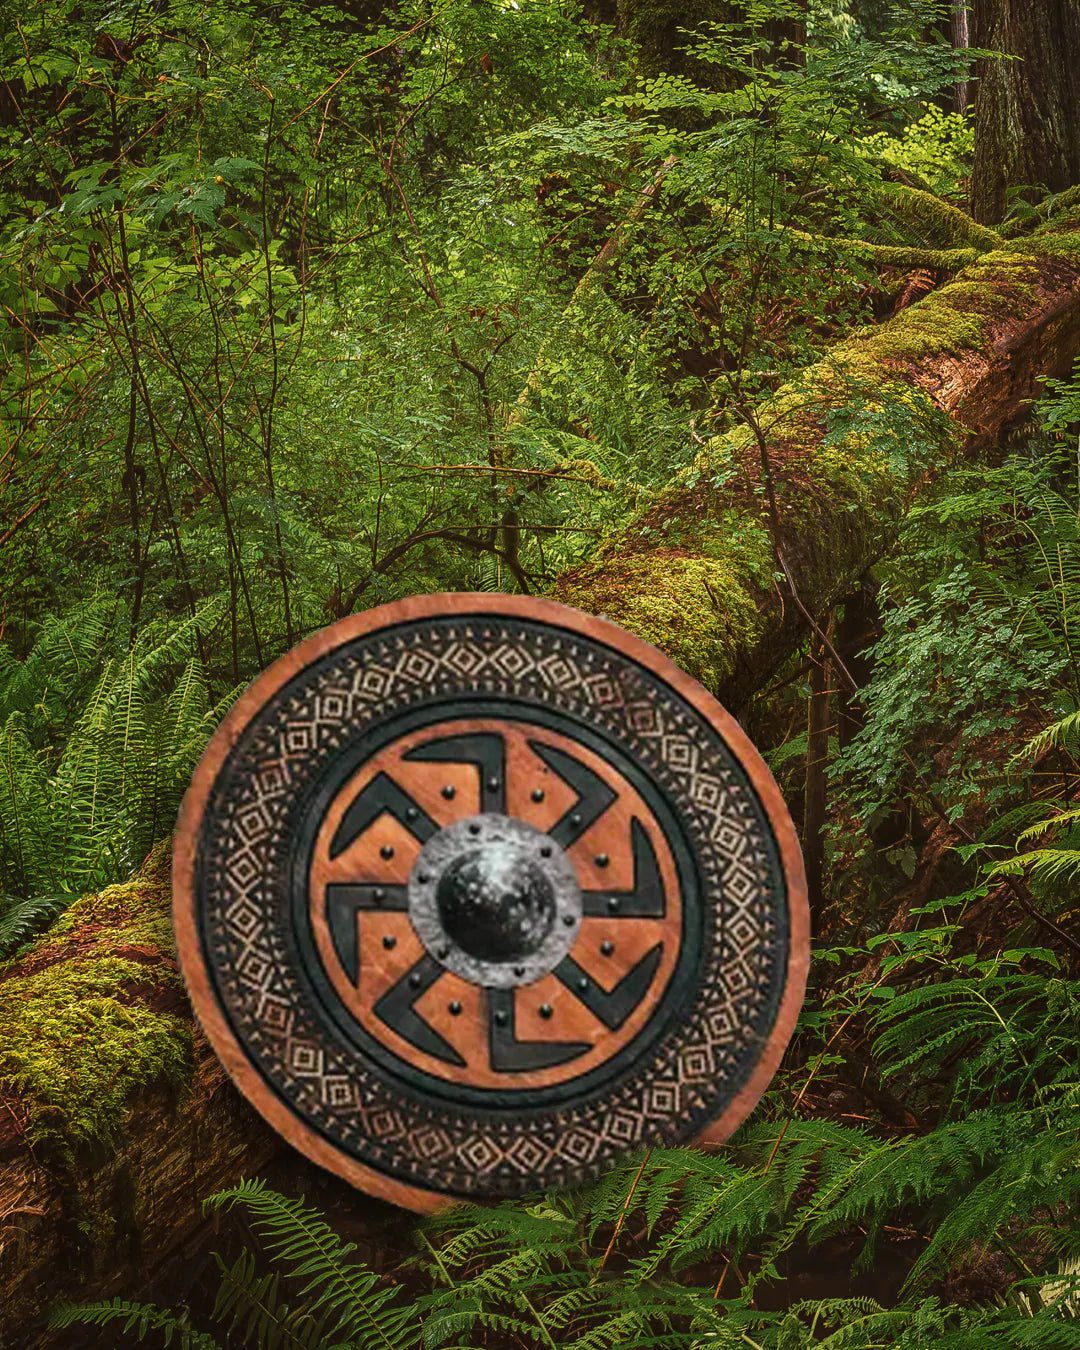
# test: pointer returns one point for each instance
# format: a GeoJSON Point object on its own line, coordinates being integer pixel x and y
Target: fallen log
{"type": "Point", "coordinates": [779, 517]}
{"type": "Point", "coordinates": [117, 1120]}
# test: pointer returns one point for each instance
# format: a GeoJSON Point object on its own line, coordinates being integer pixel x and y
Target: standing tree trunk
{"type": "Point", "coordinates": [815, 793]}
{"type": "Point", "coordinates": [1027, 104]}
{"type": "Point", "coordinates": [662, 30]}
{"type": "Point", "coordinates": [961, 40]}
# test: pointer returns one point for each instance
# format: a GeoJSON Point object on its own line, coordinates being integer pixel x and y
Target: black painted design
{"type": "Point", "coordinates": [494, 900]}
{"type": "Point", "coordinates": [594, 795]}
{"type": "Point", "coordinates": [508, 1054]}
{"type": "Point", "coordinates": [343, 902]}
{"type": "Point", "coordinates": [484, 749]}
{"type": "Point", "coordinates": [646, 899]}
{"type": "Point", "coordinates": [382, 795]}
{"type": "Point", "coordinates": [615, 1007]}
{"type": "Point", "coordinates": [397, 1011]}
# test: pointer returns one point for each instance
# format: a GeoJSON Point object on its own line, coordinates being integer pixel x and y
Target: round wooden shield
{"type": "Point", "coordinates": [474, 894]}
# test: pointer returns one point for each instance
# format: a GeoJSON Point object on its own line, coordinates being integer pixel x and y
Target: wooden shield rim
{"type": "Point", "coordinates": [234, 1059]}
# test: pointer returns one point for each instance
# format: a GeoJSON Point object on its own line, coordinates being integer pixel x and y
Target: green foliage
{"type": "Point", "coordinates": [137, 1320]}
{"type": "Point", "coordinates": [22, 917]}
{"type": "Point", "coordinates": [279, 277]}
{"type": "Point", "coordinates": [935, 149]}
{"type": "Point", "coordinates": [335, 1301]}
{"type": "Point", "coordinates": [97, 745]}
{"type": "Point", "coordinates": [980, 636]}
{"type": "Point", "coordinates": [678, 1247]}
{"type": "Point", "coordinates": [348, 1301]}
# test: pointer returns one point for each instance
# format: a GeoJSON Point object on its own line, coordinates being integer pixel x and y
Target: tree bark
{"type": "Point", "coordinates": [664, 30]}
{"type": "Point", "coordinates": [817, 479]}
{"type": "Point", "coordinates": [815, 799]}
{"type": "Point", "coordinates": [1027, 106]}
{"type": "Point", "coordinates": [117, 1119]}
{"type": "Point", "coordinates": [961, 40]}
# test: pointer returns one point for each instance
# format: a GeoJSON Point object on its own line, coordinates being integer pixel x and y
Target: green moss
{"type": "Point", "coordinates": [92, 1013]}
{"type": "Point", "coordinates": [75, 1049]}
{"type": "Point", "coordinates": [699, 610]}
{"type": "Point", "coordinates": [133, 913]}
{"type": "Point", "coordinates": [939, 217]}
{"type": "Point", "coordinates": [897, 255]}
{"type": "Point", "coordinates": [1065, 241]}
{"type": "Point", "coordinates": [961, 315]}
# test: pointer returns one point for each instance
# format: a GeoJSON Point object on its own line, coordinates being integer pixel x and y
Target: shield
{"type": "Point", "coordinates": [475, 894]}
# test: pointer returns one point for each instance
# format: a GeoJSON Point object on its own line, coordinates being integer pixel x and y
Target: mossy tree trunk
{"type": "Point", "coordinates": [1027, 106]}
{"type": "Point", "coordinates": [817, 479]}
{"type": "Point", "coordinates": [117, 1120]}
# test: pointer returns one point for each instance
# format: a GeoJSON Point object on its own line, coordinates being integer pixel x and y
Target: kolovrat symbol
{"type": "Point", "coordinates": [474, 894]}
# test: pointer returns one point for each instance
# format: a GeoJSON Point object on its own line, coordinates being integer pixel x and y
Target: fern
{"type": "Point", "coordinates": [22, 919]}
{"type": "Point", "coordinates": [137, 1320]}
{"type": "Point", "coordinates": [250, 1306]}
{"type": "Point", "coordinates": [350, 1302]}
{"type": "Point", "coordinates": [86, 815]}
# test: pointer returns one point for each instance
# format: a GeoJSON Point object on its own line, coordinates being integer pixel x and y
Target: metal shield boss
{"type": "Point", "coordinates": [474, 894]}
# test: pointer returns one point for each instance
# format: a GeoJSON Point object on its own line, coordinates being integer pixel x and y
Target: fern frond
{"type": "Point", "coordinates": [250, 1305]}
{"type": "Point", "coordinates": [138, 1320]}
{"type": "Point", "coordinates": [354, 1302]}
{"type": "Point", "coordinates": [1051, 864]}
{"type": "Point", "coordinates": [1061, 732]}
{"type": "Point", "coordinates": [22, 919]}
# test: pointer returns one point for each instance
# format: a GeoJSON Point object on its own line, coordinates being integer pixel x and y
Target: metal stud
{"type": "Point", "coordinates": [449, 791]}
{"type": "Point", "coordinates": [538, 794]}
{"type": "Point", "coordinates": [389, 941]}
{"type": "Point", "coordinates": [546, 1010]}
{"type": "Point", "coordinates": [455, 1008]}
{"type": "Point", "coordinates": [387, 851]}
{"type": "Point", "coordinates": [606, 948]}
{"type": "Point", "coordinates": [601, 860]}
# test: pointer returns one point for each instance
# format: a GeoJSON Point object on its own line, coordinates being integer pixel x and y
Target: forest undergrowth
{"type": "Point", "coordinates": [282, 343]}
